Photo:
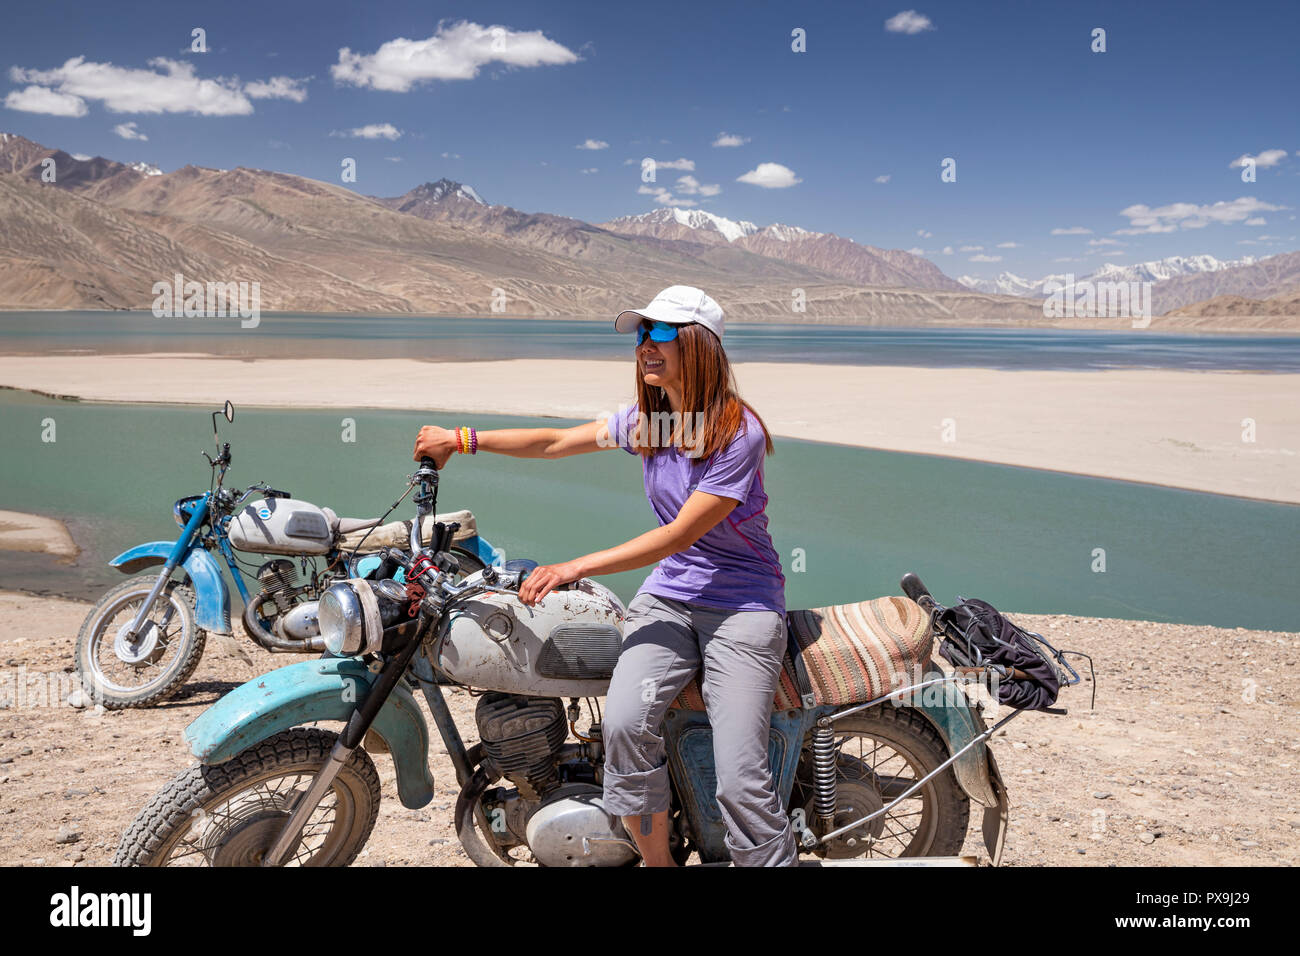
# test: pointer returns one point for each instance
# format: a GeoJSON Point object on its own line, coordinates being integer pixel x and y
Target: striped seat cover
{"type": "Point", "coordinates": [852, 652]}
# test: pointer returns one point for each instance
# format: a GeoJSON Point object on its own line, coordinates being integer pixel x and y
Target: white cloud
{"type": "Point", "coordinates": [81, 156]}
{"type": "Point", "coordinates": [129, 131]}
{"type": "Point", "coordinates": [983, 258]}
{"type": "Point", "coordinates": [452, 156]}
{"type": "Point", "coordinates": [730, 139]}
{"type": "Point", "coordinates": [393, 159]}
{"type": "Point", "coordinates": [278, 88]}
{"type": "Point", "coordinates": [882, 179]}
{"type": "Point", "coordinates": [770, 176]}
{"type": "Point", "coordinates": [592, 144]}
{"type": "Point", "coordinates": [589, 171]}
{"type": "Point", "coordinates": [947, 250]}
{"type": "Point", "coordinates": [1257, 221]}
{"type": "Point", "coordinates": [664, 197]}
{"type": "Point", "coordinates": [1104, 242]}
{"type": "Point", "coordinates": [1072, 231]}
{"type": "Point", "coordinates": [1185, 215]}
{"type": "Point", "coordinates": [1269, 157]}
{"type": "Point", "coordinates": [454, 52]}
{"type": "Point", "coordinates": [1008, 245]}
{"type": "Point", "coordinates": [971, 249]}
{"type": "Point", "coordinates": [924, 233]}
{"type": "Point", "coordinates": [690, 186]}
{"type": "Point", "coordinates": [909, 22]}
{"type": "Point", "coordinates": [370, 131]}
{"type": "Point", "coordinates": [40, 99]}
{"type": "Point", "coordinates": [1067, 259]}
{"type": "Point", "coordinates": [171, 87]}
{"type": "Point", "coordinates": [916, 251]}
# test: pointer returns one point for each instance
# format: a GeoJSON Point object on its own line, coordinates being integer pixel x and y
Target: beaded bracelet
{"type": "Point", "coordinates": [467, 440]}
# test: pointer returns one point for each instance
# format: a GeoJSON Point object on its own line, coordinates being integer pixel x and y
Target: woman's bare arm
{"type": "Point", "coordinates": [440, 443]}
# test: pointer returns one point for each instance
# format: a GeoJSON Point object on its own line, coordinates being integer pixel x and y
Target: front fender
{"type": "Point", "coordinates": [211, 596]}
{"type": "Point", "coordinates": [949, 710]}
{"type": "Point", "coordinates": [325, 689]}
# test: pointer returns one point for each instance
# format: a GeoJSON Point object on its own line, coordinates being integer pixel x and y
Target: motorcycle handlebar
{"type": "Point", "coordinates": [914, 588]}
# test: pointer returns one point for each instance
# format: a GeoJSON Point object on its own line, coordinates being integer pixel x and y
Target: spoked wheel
{"type": "Point", "coordinates": [121, 671]}
{"type": "Point", "coordinates": [230, 814]}
{"type": "Point", "coordinates": [879, 755]}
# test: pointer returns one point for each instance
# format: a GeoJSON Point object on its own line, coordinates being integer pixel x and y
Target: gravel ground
{"type": "Point", "coordinates": [1189, 758]}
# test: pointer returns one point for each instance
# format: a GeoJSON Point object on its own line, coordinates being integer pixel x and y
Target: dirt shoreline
{"type": "Point", "coordinates": [1189, 758]}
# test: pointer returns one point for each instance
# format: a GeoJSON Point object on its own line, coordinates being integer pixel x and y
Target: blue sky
{"type": "Point", "coordinates": [1133, 145]}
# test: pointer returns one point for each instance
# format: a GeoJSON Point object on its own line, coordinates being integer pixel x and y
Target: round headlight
{"type": "Point", "coordinates": [339, 613]}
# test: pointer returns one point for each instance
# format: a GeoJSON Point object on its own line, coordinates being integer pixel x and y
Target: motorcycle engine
{"type": "Point", "coordinates": [563, 822]}
{"type": "Point", "coordinates": [279, 582]}
{"type": "Point", "coordinates": [523, 736]}
{"type": "Point", "coordinates": [293, 619]}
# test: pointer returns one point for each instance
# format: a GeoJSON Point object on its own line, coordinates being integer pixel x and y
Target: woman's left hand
{"type": "Point", "coordinates": [546, 578]}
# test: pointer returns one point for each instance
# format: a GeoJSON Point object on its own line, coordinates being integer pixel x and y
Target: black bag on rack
{"type": "Point", "coordinates": [976, 633]}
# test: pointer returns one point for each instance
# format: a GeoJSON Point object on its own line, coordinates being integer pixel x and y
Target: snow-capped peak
{"type": "Point", "coordinates": [444, 189]}
{"type": "Point", "coordinates": [1157, 270]}
{"type": "Point", "coordinates": [784, 233]}
{"type": "Point", "coordinates": [730, 229]}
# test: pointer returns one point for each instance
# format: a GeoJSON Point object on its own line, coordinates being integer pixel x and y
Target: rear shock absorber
{"type": "Point", "coordinates": [824, 775]}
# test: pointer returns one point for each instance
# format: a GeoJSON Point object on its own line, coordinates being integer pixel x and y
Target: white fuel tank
{"type": "Point", "coordinates": [565, 645]}
{"type": "Point", "coordinates": [281, 526]}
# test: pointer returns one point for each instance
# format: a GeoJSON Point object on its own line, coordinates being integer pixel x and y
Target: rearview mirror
{"type": "Point", "coordinates": [229, 411]}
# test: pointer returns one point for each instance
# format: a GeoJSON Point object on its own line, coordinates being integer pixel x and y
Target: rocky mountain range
{"type": "Point", "coordinates": [1177, 281]}
{"type": "Point", "coordinates": [102, 233]}
{"type": "Point", "coordinates": [88, 232]}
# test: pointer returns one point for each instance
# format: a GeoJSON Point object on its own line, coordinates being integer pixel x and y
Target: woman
{"type": "Point", "coordinates": [716, 598]}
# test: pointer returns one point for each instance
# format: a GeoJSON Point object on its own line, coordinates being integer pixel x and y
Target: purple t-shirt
{"type": "Point", "coordinates": [733, 564]}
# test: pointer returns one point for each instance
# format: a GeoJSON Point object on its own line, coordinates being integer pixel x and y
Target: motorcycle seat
{"type": "Point", "coordinates": [345, 525]}
{"type": "Point", "coordinates": [852, 653]}
{"type": "Point", "coordinates": [396, 534]}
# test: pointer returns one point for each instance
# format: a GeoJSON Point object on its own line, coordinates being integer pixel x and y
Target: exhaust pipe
{"type": "Point", "coordinates": [274, 640]}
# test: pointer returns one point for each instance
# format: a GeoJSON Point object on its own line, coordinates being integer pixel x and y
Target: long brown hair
{"type": "Point", "coordinates": [709, 397]}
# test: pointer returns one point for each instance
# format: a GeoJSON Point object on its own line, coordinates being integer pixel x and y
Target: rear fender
{"type": "Point", "coordinates": [949, 710]}
{"type": "Point", "coordinates": [211, 596]}
{"type": "Point", "coordinates": [995, 817]}
{"type": "Point", "coordinates": [325, 689]}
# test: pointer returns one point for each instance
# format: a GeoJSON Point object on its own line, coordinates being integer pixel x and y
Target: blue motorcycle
{"type": "Point", "coordinates": [143, 639]}
{"type": "Point", "coordinates": [869, 763]}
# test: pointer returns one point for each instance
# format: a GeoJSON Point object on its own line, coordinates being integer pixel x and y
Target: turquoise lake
{"type": "Point", "coordinates": [1021, 539]}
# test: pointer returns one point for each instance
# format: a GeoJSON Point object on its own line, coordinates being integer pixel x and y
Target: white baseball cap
{"type": "Point", "coordinates": [677, 305]}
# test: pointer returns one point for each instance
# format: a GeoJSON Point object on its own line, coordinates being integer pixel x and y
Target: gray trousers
{"type": "Point", "coordinates": [665, 642]}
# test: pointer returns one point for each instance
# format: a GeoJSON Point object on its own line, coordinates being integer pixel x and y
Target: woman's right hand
{"type": "Point", "coordinates": [436, 443]}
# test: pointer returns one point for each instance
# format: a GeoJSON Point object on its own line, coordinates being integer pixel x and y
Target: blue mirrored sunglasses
{"type": "Point", "coordinates": [658, 331]}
